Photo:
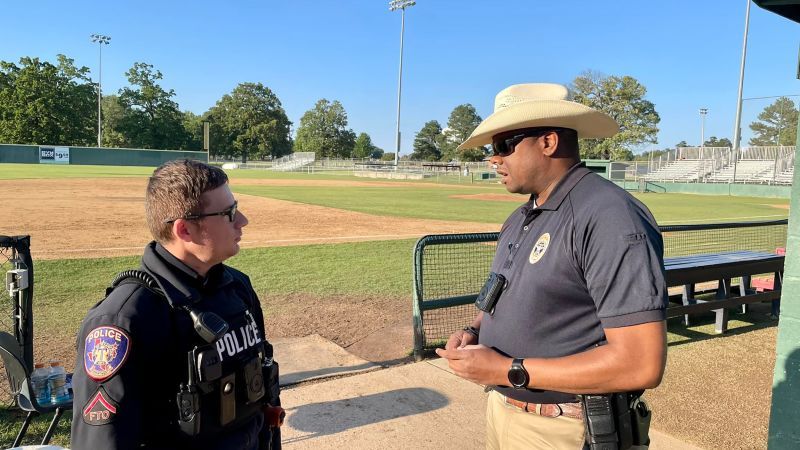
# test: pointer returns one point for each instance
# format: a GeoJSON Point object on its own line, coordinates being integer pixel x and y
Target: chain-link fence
{"type": "Point", "coordinates": [682, 240]}
{"type": "Point", "coordinates": [16, 316]}
{"type": "Point", "coordinates": [450, 269]}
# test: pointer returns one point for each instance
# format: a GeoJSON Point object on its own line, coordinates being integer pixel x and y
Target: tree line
{"type": "Point", "coordinates": [45, 103]}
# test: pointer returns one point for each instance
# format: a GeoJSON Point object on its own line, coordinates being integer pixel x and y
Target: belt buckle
{"type": "Point", "coordinates": [551, 410]}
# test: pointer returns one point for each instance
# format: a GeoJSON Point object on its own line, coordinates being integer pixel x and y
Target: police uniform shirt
{"type": "Point", "coordinates": [132, 357]}
{"type": "Point", "coordinates": [589, 258]}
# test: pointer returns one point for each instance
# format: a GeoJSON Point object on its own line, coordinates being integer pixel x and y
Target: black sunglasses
{"type": "Point", "coordinates": [504, 144]}
{"type": "Point", "coordinates": [230, 213]}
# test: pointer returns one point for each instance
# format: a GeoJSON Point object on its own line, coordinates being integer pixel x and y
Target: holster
{"type": "Point", "coordinates": [616, 421]}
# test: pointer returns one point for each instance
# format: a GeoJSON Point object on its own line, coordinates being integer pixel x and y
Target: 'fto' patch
{"type": "Point", "coordinates": [539, 248]}
{"type": "Point", "coordinates": [100, 409]}
{"type": "Point", "coordinates": [105, 350]}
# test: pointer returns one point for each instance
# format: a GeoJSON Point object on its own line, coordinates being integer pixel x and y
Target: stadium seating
{"type": "Point", "coordinates": [683, 170]}
{"type": "Point", "coordinates": [293, 161]}
{"type": "Point", "coordinates": [747, 171]}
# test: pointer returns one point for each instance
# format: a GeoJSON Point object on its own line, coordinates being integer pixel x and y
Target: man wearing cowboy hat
{"type": "Point", "coordinates": [576, 299]}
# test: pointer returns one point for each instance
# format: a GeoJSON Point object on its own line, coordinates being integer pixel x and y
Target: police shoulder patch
{"type": "Point", "coordinates": [100, 409]}
{"type": "Point", "coordinates": [106, 349]}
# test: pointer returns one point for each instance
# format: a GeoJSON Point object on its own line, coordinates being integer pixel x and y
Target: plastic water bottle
{"type": "Point", "coordinates": [41, 384]}
{"type": "Point", "coordinates": [57, 381]}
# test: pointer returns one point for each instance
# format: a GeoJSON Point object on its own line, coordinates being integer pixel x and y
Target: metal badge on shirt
{"type": "Point", "coordinates": [105, 349]}
{"type": "Point", "coordinates": [539, 248]}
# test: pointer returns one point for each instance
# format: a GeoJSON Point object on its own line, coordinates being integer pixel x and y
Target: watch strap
{"type": "Point", "coordinates": [517, 366]}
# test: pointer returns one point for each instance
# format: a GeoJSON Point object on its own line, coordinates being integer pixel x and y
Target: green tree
{"type": "Point", "coordinates": [152, 118]}
{"type": "Point", "coordinates": [714, 142]}
{"type": "Point", "coordinates": [462, 122]}
{"type": "Point", "coordinates": [645, 156]}
{"type": "Point", "coordinates": [387, 156]}
{"type": "Point", "coordinates": [42, 103]}
{"type": "Point", "coordinates": [363, 147]}
{"type": "Point", "coordinates": [113, 114]}
{"type": "Point", "coordinates": [428, 142]}
{"type": "Point", "coordinates": [377, 153]}
{"type": "Point", "coordinates": [777, 124]}
{"type": "Point", "coordinates": [193, 124]}
{"type": "Point", "coordinates": [622, 98]}
{"type": "Point", "coordinates": [250, 121]}
{"type": "Point", "coordinates": [472, 154]}
{"type": "Point", "coordinates": [323, 130]}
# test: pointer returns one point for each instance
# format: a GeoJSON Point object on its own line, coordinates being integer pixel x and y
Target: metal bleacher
{"type": "Point", "coordinates": [747, 171]}
{"type": "Point", "coordinates": [682, 170]}
{"type": "Point", "coordinates": [293, 161]}
{"type": "Point", "coordinates": [752, 165]}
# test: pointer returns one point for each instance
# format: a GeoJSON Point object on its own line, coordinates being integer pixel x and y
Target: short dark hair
{"type": "Point", "coordinates": [175, 190]}
{"type": "Point", "coordinates": [568, 140]}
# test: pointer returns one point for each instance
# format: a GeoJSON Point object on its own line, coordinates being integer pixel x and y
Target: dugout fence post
{"type": "Point", "coordinates": [17, 265]}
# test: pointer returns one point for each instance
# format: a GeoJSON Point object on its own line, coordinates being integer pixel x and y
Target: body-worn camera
{"type": "Point", "coordinates": [490, 293]}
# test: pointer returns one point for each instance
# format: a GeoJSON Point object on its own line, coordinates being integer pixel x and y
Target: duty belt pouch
{"type": "Point", "coordinates": [490, 293]}
{"type": "Point", "coordinates": [254, 380]}
{"type": "Point", "coordinates": [227, 399]}
{"type": "Point", "coordinates": [640, 418]}
{"type": "Point", "coordinates": [607, 419]}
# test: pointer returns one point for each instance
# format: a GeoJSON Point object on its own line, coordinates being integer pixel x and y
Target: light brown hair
{"type": "Point", "coordinates": [175, 190]}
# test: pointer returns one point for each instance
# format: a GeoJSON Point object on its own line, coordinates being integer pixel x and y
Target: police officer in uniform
{"type": "Point", "coordinates": [576, 300]}
{"type": "Point", "coordinates": [176, 355]}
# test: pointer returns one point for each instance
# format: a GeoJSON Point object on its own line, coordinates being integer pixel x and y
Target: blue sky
{"type": "Point", "coordinates": [687, 53]}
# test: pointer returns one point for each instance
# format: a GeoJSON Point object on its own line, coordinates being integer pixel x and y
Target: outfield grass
{"type": "Point", "coordinates": [425, 202]}
{"type": "Point", "coordinates": [412, 199]}
{"type": "Point", "coordinates": [56, 171]}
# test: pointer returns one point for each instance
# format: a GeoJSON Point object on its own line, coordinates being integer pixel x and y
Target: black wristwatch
{"type": "Point", "coordinates": [517, 375]}
{"type": "Point", "coordinates": [472, 330]}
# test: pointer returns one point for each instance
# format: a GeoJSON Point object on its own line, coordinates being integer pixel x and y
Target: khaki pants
{"type": "Point", "coordinates": [510, 428]}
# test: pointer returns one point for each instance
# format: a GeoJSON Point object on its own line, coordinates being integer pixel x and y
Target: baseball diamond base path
{"type": "Point", "coordinates": [101, 217]}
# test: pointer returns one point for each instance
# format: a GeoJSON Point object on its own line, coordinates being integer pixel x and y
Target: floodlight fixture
{"type": "Point", "coordinates": [737, 130]}
{"type": "Point", "coordinates": [100, 40]}
{"type": "Point", "coordinates": [703, 112]}
{"type": "Point", "coordinates": [394, 5]}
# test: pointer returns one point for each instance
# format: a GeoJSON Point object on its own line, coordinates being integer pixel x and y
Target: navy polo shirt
{"type": "Point", "coordinates": [589, 258]}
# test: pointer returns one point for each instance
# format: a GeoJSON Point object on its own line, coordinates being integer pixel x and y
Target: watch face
{"type": "Point", "coordinates": [517, 376]}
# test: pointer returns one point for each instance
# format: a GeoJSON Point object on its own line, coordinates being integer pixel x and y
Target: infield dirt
{"type": "Point", "coordinates": [101, 217]}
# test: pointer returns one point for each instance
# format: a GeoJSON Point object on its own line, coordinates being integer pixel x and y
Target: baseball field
{"type": "Point", "coordinates": [332, 255]}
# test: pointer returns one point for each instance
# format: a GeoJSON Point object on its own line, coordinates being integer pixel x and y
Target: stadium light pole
{"type": "Point", "coordinates": [737, 131]}
{"type": "Point", "coordinates": [394, 5]}
{"type": "Point", "coordinates": [100, 40]}
{"type": "Point", "coordinates": [703, 112]}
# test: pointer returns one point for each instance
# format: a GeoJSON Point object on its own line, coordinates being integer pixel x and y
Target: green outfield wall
{"type": "Point", "coordinates": [94, 156]}
{"type": "Point", "coordinates": [739, 190]}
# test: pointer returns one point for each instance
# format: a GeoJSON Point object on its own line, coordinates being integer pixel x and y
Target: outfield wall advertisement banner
{"type": "Point", "coordinates": [54, 155]}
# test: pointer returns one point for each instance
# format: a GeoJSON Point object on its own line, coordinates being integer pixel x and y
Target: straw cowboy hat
{"type": "Point", "coordinates": [540, 105]}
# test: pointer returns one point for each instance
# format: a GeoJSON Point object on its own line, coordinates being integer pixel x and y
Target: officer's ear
{"type": "Point", "coordinates": [550, 143]}
{"type": "Point", "coordinates": [184, 230]}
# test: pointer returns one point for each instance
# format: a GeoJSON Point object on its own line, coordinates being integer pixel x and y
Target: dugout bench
{"type": "Point", "coordinates": [690, 271]}
{"type": "Point", "coordinates": [703, 260]}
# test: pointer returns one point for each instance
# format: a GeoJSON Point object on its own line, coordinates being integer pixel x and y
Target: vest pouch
{"type": "Point", "coordinates": [227, 399]}
{"type": "Point", "coordinates": [253, 380]}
